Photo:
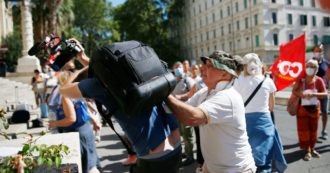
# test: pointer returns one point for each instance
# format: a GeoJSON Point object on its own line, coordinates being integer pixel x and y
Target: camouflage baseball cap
{"type": "Point", "coordinates": [222, 61]}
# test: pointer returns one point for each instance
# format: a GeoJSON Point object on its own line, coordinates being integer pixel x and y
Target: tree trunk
{"type": "Point", "coordinates": [52, 6]}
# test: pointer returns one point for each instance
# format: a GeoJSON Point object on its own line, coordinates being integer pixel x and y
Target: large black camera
{"type": "Point", "coordinates": [60, 51]}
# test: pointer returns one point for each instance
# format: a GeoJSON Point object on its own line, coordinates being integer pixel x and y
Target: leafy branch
{"type": "Point", "coordinates": [31, 155]}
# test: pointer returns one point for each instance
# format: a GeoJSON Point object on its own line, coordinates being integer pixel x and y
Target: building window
{"type": "Point", "coordinates": [228, 10]}
{"type": "Point", "coordinates": [206, 20]}
{"type": "Point", "coordinates": [200, 8]}
{"type": "Point", "coordinates": [314, 20]}
{"type": "Point", "coordinates": [288, 2]}
{"type": "Point", "coordinates": [215, 47]}
{"type": "Point", "coordinates": [223, 46]}
{"type": "Point", "coordinates": [200, 23]}
{"type": "Point", "coordinates": [238, 44]}
{"type": "Point", "coordinates": [274, 17]}
{"type": "Point", "coordinates": [247, 43]}
{"type": "Point", "coordinates": [313, 3]}
{"type": "Point", "coordinates": [254, 2]}
{"type": "Point", "coordinates": [275, 39]}
{"type": "Point", "coordinates": [326, 21]}
{"type": "Point", "coordinates": [255, 19]}
{"type": "Point", "coordinates": [303, 20]}
{"type": "Point", "coordinates": [221, 14]}
{"type": "Point", "coordinates": [207, 35]}
{"type": "Point", "coordinates": [257, 41]}
{"type": "Point", "coordinates": [237, 25]}
{"type": "Point", "coordinates": [273, 1]}
{"type": "Point", "coordinates": [230, 46]}
{"type": "Point", "coordinates": [245, 4]}
{"type": "Point", "coordinates": [246, 23]}
{"type": "Point", "coordinates": [290, 19]}
{"type": "Point", "coordinates": [201, 37]}
{"type": "Point", "coordinates": [229, 28]}
{"type": "Point", "coordinates": [212, 2]}
{"type": "Point", "coordinates": [236, 5]}
{"type": "Point", "coordinates": [315, 39]}
{"type": "Point", "coordinates": [301, 2]}
{"type": "Point", "coordinates": [213, 17]}
{"type": "Point", "coordinates": [214, 33]}
{"type": "Point", "coordinates": [291, 37]}
{"type": "Point", "coordinates": [222, 33]}
{"type": "Point", "coordinates": [205, 5]}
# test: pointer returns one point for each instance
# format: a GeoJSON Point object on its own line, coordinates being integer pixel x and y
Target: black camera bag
{"type": "Point", "coordinates": [133, 75]}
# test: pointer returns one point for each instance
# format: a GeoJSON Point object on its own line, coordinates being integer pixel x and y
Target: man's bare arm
{"type": "Point", "coordinates": [185, 113]}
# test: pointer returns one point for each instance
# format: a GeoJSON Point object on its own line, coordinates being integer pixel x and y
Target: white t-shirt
{"type": "Point", "coordinates": [245, 85]}
{"type": "Point", "coordinates": [184, 85]}
{"type": "Point", "coordinates": [224, 140]}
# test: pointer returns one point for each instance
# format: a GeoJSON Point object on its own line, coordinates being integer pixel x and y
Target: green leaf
{"type": "Point", "coordinates": [6, 136]}
{"type": "Point", "coordinates": [40, 160]}
{"type": "Point", "coordinates": [5, 124]}
{"type": "Point", "coordinates": [26, 148]}
{"type": "Point", "coordinates": [49, 162]}
{"type": "Point", "coordinates": [58, 161]}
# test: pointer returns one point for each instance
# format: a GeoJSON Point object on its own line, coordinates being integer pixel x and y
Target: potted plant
{"type": "Point", "coordinates": [33, 157]}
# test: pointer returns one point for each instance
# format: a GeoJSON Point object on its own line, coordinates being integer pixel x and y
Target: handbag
{"type": "Point", "coordinates": [293, 104]}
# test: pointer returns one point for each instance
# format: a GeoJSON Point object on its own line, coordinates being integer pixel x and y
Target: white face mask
{"type": "Point", "coordinates": [310, 71]}
{"type": "Point", "coordinates": [252, 68]}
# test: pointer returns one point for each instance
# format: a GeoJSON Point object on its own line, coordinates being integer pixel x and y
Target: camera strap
{"type": "Point", "coordinates": [106, 115]}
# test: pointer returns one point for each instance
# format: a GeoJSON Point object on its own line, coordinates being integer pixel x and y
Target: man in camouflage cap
{"type": "Point", "coordinates": [218, 110]}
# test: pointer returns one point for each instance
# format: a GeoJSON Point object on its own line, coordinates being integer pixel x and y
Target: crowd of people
{"type": "Point", "coordinates": [227, 101]}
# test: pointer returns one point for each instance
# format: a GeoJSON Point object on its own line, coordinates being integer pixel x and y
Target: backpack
{"type": "Point", "coordinates": [20, 116]}
{"type": "Point", "coordinates": [133, 75]}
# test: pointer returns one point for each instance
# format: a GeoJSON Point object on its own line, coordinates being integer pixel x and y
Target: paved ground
{"type": "Point", "coordinates": [112, 153]}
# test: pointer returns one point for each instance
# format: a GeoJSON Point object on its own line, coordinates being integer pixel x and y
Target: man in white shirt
{"type": "Point", "coordinates": [218, 110]}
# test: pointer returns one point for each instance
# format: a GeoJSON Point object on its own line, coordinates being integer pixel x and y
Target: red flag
{"type": "Point", "coordinates": [291, 64]}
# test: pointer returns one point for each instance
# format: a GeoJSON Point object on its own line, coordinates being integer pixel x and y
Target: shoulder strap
{"type": "Point", "coordinates": [253, 93]}
{"type": "Point", "coordinates": [107, 117]}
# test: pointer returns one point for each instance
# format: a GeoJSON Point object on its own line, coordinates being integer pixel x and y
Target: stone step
{"type": "Point", "coordinates": [14, 93]}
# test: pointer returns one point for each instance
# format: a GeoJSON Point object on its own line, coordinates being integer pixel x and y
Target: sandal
{"type": "Point", "coordinates": [308, 157]}
{"type": "Point", "coordinates": [324, 135]}
{"type": "Point", "coordinates": [316, 154]}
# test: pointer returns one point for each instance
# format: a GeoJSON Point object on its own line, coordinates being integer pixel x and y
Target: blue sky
{"type": "Point", "coordinates": [116, 2]}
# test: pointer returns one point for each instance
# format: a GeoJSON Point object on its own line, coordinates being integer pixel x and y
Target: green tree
{"type": "Point", "coordinates": [13, 42]}
{"type": "Point", "coordinates": [147, 21]}
{"type": "Point", "coordinates": [93, 20]}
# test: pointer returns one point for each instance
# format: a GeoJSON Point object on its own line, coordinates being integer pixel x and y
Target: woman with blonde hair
{"type": "Point", "coordinates": [73, 116]}
{"type": "Point", "coordinates": [310, 89]}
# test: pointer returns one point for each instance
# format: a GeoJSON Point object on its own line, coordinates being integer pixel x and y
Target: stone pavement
{"type": "Point", "coordinates": [111, 151]}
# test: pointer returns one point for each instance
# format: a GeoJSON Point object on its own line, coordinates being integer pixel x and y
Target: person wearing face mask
{"type": "Point", "coordinates": [184, 89]}
{"type": "Point", "coordinates": [263, 136]}
{"type": "Point", "coordinates": [322, 70]}
{"type": "Point", "coordinates": [218, 110]}
{"type": "Point", "coordinates": [310, 89]}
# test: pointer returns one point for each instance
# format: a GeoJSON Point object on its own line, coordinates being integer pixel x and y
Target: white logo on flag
{"type": "Point", "coordinates": [291, 68]}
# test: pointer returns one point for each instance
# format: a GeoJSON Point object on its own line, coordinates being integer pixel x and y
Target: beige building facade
{"type": "Point", "coordinates": [6, 20]}
{"type": "Point", "coordinates": [243, 26]}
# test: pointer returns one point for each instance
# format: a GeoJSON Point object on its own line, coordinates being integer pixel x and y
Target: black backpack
{"type": "Point", "coordinates": [20, 116]}
{"type": "Point", "coordinates": [134, 76]}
